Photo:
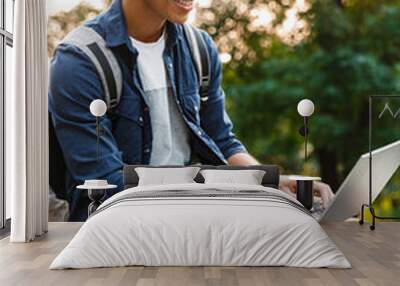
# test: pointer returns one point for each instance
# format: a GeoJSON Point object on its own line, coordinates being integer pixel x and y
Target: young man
{"type": "Point", "coordinates": [159, 119]}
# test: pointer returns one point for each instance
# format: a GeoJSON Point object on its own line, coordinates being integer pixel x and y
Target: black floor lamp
{"type": "Point", "coordinates": [369, 205]}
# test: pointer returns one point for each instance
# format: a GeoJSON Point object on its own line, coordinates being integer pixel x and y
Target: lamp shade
{"type": "Point", "coordinates": [305, 108]}
{"type": "Point", "coordinates": [98, 107]}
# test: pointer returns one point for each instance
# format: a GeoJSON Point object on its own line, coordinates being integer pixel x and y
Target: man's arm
{"type": "Point", "coordinates": [214, 118]}
{"type": "Point", "coordinates": [74, 84]}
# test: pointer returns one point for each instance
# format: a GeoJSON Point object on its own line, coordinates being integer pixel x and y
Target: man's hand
{"type": "Point", "coordinates": [321, 189]}
{"type": "Point", "coordinates": [242, 159]}
{"type": "Point", "coordinates": [289, 186]}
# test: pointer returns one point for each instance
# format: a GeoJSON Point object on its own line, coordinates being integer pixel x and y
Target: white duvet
{"type": "Point", "coordinates": [202, 231]}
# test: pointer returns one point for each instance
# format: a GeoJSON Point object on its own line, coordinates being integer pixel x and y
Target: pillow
{"type": "Point", "coordinates": [247, 177]}
{"type": "Point", "coordinates": [166, 176]}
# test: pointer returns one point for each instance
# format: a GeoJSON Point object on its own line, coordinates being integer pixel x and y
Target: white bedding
{"type": "Point", "coordinates": [185, 230]}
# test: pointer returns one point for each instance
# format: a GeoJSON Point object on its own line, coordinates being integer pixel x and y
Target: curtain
{"type": "Point", "coordinates": [26, 123]}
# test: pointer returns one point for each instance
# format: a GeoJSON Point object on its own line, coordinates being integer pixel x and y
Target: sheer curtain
{"type": "Point", "coordinates": [26, 123]}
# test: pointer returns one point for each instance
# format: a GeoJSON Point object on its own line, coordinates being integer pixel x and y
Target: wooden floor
{"type": "Point", "coordinates": [375, 257]}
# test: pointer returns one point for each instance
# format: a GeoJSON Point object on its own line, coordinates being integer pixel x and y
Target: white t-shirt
{"type": "Point", "coordinates": [171, 139]}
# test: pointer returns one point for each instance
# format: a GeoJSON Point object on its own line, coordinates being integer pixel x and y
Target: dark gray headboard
{"type": "Point", "coordinates": [271, 177]}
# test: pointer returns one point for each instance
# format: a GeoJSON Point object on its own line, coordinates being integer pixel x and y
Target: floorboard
{"type": "Point", "coordinates": [375, 257]}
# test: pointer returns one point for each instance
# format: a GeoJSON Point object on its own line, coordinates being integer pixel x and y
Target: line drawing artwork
{"type": "Point", "coordinates": [397, 115]}
{"type": "Point", "coordinates": [388, 109]}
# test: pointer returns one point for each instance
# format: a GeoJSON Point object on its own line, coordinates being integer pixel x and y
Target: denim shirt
{"type": "Point", "coordinates": [127, 135]}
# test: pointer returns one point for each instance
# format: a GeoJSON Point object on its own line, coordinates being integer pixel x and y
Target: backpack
{"type": "Point", "coordinates": [109, 71]}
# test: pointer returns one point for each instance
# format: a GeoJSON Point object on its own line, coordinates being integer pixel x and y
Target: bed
{"type": "Point", "coordinates": [201, 224]}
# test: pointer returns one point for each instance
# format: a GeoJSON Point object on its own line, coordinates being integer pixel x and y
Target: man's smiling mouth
{"type": "Point", "coordinates": [184, 4]}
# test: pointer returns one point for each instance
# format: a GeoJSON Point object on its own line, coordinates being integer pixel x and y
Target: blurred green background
{"type": "Point", "coordinates": [275, 53]}
{"type": "Point", "coordinates": [333, 52]}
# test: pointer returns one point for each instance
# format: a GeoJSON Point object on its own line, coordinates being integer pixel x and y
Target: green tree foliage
{"type": "Point", "coordinates": [337, 55]}
{"type": "Point", "coordinates": [62, 23]}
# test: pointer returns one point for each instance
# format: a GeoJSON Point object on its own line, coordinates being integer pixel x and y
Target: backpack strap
{"type": "Point", "coordinates": [201, 58]}
{"type": "Point", "coordinates": [109, 71]}
{"type": "Point", "coordinates": [107, 66]}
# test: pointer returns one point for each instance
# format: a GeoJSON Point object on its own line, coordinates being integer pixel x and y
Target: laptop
{"type": "Point", "coordinates": [355, 188]}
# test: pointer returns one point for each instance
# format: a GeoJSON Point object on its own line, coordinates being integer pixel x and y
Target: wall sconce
{"type": "Point", "coordinates": [98, 108]}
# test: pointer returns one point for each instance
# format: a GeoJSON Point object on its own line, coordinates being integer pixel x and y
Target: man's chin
{"type": "Point", "coordinates": [178, 19]}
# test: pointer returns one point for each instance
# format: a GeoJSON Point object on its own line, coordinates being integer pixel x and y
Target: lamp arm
{"type": "Point", "coordinates": [97, 137]}
{"type": "Point", "coordinates": [305, 138]}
